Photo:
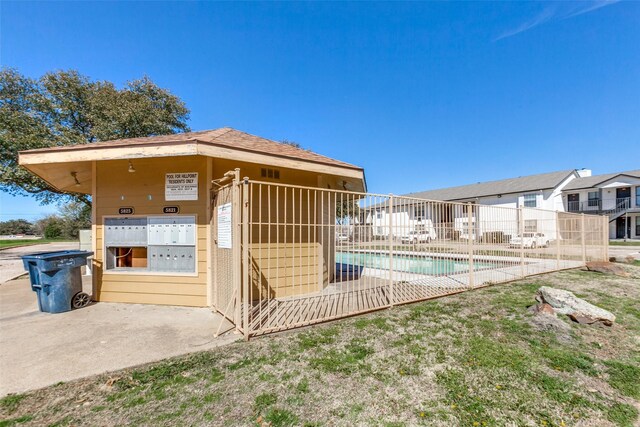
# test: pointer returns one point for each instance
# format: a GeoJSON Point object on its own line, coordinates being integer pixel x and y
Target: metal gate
{"type": "Point", "coordinates": [225, 253]}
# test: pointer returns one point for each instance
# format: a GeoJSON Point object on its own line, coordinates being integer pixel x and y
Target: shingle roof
{"type": "Point", "coordinates": [491, 188]}
{"type": "Point", "coordinates": [592, 181]}
{"type": "Point", "coordinates": [226, 137]}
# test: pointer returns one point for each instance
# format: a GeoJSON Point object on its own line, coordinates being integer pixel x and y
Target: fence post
{"type": "Point", "coordinates": [470, 230]}
{"type": "Point", "coordinates": [236, 274]}
{"type": "Point", "coordinates": [557, 240]}
{"type": "Point", "coordinates": [391, 296]}
{"type": "Point", "coordinates": [245, 258]}
{"type": "Point", "coordinates": [521, 232]}
{"type": "Point", "coordinates": [584, 243]}
{"type": "Point", "coordinates": [605, 236]}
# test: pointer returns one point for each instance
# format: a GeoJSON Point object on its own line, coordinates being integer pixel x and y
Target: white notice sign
{"type": "Point", "coordinates": [181, 186]}
{"type": "Point", "coordinates": [224, 226]}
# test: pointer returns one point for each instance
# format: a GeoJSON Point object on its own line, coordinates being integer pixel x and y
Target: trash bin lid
{"type": "Point", "coordinates": [58, 254]}
{"type": "Point", "coordinates": [50, 261]}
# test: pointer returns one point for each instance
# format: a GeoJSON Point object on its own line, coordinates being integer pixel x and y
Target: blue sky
{"type": "Point", "coordinates": [422, 95]}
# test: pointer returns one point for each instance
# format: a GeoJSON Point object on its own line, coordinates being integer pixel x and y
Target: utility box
{"type": "Point", "coordinates": [85, 240]}
{"type": "Point", "coordinates": [86, 244]}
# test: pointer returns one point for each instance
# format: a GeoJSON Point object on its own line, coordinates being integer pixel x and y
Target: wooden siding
{"type": "Point", "coordinates": [281, 270]}
{"type": "Point", "coordinates": [144, 191]}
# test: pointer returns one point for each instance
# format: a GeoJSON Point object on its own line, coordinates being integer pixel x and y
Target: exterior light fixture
{"type": "Point", "coordinates": [131, 168]}
{"type": "Point", "coordinates": [75, 178]}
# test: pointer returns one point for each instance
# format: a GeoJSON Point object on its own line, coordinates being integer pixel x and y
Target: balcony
{"type": "Point", "coordinates": [600, 207]}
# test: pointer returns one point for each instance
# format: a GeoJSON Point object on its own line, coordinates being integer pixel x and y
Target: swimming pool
{"type": "Point", "coordinates": [409, 263]}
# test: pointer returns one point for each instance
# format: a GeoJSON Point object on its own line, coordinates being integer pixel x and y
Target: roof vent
{"type": "Point", "coordinates": [270, 173]}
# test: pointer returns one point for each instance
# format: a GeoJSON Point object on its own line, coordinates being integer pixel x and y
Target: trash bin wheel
{"type": "Point", "coordinates": [80, 300]}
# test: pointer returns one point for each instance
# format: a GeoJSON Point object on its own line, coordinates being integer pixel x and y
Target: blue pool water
{"type": "Point", "coordinates": [407, 263]}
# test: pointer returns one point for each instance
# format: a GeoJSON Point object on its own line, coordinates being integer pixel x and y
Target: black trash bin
{"type": "Point", "coordinates": [56, 279]}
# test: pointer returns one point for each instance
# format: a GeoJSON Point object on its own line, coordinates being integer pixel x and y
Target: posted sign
{"type": "Point", "coordinates": [181, 186]}
{"type": "Point", "coordinates": [224, 226]}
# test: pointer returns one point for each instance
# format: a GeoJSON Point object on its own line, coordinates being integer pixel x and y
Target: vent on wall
{"type": "Point", "coordinates": [270, 173]}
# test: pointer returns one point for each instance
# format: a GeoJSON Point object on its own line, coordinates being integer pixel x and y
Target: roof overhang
{"type": "Point", "coordinates": [60, 166]}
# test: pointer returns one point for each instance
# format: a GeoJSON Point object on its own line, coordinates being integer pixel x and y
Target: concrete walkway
{"type": "Point", "coordinates": [624, 251]}
{"type": "Point", "coordinates": [11, 259]}
{"type": "Point", "coordinates": [39, 349]}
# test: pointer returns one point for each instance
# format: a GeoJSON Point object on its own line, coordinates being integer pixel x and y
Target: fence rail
{"type": "Point", "coordinates": [310, 255]}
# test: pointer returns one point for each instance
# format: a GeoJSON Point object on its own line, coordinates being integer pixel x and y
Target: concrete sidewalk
{"type": "Point", "coordinates": [624, 251]}
{"type": "Point", "coordinates": [39, 349]}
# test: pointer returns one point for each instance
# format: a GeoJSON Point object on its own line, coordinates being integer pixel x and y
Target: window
{"type": "Point", "coordinates": [418, 212]}
{"type": "Point", "coordinates": [638, 195]}
{"type": "Point", "coordinates": [530, 225]}
{"type": "Point", "coordinates": [378, 215]}
{"type": "Point", "coordinates": [594, 198]}
{"type": "Point", "coordinates": [638, 226]}
{"type": "Point", "coordinates": [573, 202]}
{"type": "Point", "coordinates": [530, 201]}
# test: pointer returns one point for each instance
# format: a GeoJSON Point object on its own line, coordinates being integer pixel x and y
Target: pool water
{"type": "Point", "coordinates": [409, 264]}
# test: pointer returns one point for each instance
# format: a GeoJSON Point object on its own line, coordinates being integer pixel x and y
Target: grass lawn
{"type": "Point", "coordinates": [5, 244]}
{"type": "Point", "coordinates": [473, 359]}
{"type": "Point", "coordinates": [627, 243]}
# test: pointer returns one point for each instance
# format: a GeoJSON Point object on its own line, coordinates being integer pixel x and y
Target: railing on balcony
{"type": "Point", "coordinates": [598, 206]}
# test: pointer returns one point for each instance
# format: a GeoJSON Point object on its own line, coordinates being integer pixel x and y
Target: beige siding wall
{"type": "Point", "coordinates": [303, 265]}
{"type": "Point", "coordinates": [144, 191]}
{"type": "Point", "coordinates": [282, 270]}
{"type": "Point", "coordinates": [287, 259]}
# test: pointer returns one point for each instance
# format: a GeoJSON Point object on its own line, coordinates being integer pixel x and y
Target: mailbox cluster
{"type": "Point", "coordinates": [169, 241]}
{"type": "Point", "coordinates": [125, 232]}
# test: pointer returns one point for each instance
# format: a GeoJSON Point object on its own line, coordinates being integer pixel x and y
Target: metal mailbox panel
{"type": "Point", "coordinates": [125, 231]}
{"type": "Point", "coordinates": [186, 261]}
{"type": "Point", "coordinates": [179, 259]}
{"type": "Point", "coordinates": [172, 230]}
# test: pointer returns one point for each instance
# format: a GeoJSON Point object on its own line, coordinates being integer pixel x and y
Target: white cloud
{"type": "Point", "coordinates": [557, 11]}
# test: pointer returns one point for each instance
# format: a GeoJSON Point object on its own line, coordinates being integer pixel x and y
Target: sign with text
{"type": "Point", "coordinates": [224, 226]}
{"type": "Point", "coordinates": [125, 211]}
{"type": "Point", "coordinates": [181, 186]}
{"type": "Point", "coordinates": [171, 209]}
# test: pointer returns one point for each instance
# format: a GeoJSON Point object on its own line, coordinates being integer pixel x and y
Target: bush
{"type": "Point", "coordinates": [53, 230]}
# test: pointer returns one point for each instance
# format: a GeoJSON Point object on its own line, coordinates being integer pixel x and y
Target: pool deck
{"type": "Point", "coordinates": [375, 290]}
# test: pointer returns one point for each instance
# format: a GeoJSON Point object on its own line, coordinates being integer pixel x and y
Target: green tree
{"type": "Point", "coordinates": [16, 226]}
{"type": "Point", "coordinates": [51, 226]}
{"type": "Point", "coordinates": [66, 108]}
{"type": "Point", "coordinates": [75, 216]}
{"type": "Point", "coordinates": [347, 209]}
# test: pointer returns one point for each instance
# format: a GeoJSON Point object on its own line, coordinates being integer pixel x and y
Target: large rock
{"type": "Point", "coordinates": [565, 302]}
{"type": "Point", "coordinates": [607, 268]}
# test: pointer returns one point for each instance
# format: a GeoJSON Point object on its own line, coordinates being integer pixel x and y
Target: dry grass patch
{"type": "Point", "coordinates": [473, 359]}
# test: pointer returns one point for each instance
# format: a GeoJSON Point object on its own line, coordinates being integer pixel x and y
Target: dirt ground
{"type": "Point", "coordinates": [480, 358]}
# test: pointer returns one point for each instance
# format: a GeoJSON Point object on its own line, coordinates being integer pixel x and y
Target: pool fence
{"type": "Point", "coordinates": [290, 256]}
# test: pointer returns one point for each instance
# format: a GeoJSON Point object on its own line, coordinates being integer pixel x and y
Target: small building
{"type": "Point", "coordinates": [616, 195]}
{"type": "Point", "coordinates": [531, 193]}
{"type": "Point", "coordinates": [159, 217]}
